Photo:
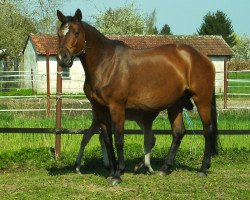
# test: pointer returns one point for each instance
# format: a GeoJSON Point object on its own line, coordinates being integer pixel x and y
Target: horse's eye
{"type": "Point", "coordinates": [77, 33]}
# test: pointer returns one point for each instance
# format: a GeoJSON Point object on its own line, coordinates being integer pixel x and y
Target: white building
{"type": "Point", "coordinates": [36, 47]}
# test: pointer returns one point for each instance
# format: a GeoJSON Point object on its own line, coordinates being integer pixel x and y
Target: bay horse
{"type": "Point", "coordinates": [121, 79]}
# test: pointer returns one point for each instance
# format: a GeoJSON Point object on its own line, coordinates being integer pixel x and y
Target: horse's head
{"type": "Point", "coordinates": [71, 38]}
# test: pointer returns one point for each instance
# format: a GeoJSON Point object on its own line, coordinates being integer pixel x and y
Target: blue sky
{"type": "Point", "coordinates": [183, 16]}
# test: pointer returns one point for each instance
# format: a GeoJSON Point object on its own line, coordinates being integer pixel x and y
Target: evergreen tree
{"type": "Point", "coordinates": [218, 24]}
{"type": "Point", "coordinates": [166, 30]}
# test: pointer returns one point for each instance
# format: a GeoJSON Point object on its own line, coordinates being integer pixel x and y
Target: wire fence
{"type": "Point", "coordinates": [234, 90]}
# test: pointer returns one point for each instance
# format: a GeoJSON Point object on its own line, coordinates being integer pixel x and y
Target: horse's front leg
{"type": "Point", "coordinates": [118, 117]}
{"type": "Point", "coordinates": [85, 140]}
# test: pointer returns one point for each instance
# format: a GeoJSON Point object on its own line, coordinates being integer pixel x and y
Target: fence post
{"type": "Point", "coordinates": [225, 84]}
{"type": "Point", "coordinates": [48, 83]}
{"type": "Point", "coordinates": [58, 113]}
{"type": "Point", "coordinates": [32, 81]}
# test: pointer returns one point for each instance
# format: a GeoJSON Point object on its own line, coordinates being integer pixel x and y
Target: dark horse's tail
{"type": "Point", "coordinates": [214, 135]}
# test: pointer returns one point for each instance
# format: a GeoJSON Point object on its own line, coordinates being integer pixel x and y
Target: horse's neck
{"type": "Point", "coordinates": [96, 46]}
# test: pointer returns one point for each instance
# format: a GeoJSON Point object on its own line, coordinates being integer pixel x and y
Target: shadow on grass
{"type": "Point", "coordinates": [96, 166]}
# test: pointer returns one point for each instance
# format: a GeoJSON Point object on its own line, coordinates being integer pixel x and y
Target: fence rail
{"type": "Point", "coordinates": [129, 131]}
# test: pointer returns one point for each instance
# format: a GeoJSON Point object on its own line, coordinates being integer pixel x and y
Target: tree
{"type": "Point", "coordinates": [150, 23]}
{"type": "Point", "coordinates": [18, 19]}
{"type": "Point", "coordinates": [14, 29]}
{"type": "Point", "coordinates": [242, 48]}
{"type": "Point", "coordinates": [120, 21]}
{"type": "Point", "coordinates": [218, 24]}
{"type": "Point", "coordinates": [166, 30]}
{"type": "Point", "coordinates": [42, 12]}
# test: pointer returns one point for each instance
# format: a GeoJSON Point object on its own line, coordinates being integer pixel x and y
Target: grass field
{"type": "Point", "coordinates": [28, 169]}
{"type": "Point", "coordinates": [31, 172]}
{"type": "Point", "coordinates": [239, 82]}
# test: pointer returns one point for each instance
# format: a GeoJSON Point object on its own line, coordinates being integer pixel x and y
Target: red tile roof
{"type": "Point", "coordinates": [43, 43]}
{"type": "Point", "coordinates": [208, 45]}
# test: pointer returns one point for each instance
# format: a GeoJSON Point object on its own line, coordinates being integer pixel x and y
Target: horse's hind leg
{"type": "Point", "coordinates": [204, 109]}
{"type": "Point", "coordinates": [149, 143]}
{"type": "Point", "coordinates": [108, 146]}
{"type": "Point", "coordinates": [178, 129]}
{"type": "Point", "coordinates": [85, 140]}
{"type": "Point", "coordinates": [104, 151]}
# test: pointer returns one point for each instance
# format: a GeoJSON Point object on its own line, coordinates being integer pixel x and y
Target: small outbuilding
{"type": "Point", "coordinates": [38, 48]}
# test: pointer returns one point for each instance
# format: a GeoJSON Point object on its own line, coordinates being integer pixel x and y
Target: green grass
{"type": "Point", "coordinates": [239, 87]}
{"type": "Point", "coordinates": [28, 169]}
{"type": "Point", "coordinates": [81, 120]}
{"type": "Point", "coordinates": [16, 92]}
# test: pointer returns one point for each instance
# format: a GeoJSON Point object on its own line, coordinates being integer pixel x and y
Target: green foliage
{"type": "Point", "coordinates": [14, 29]}
{"type": "Point", "coordinates": [42, 13]}
{"type": "Point", "coordinates": [242, 48]}
{"type": "Point", "coordinates": [19, 18]}
{"type": "Point", "coordinates": [150, 23]}
{"type": "Point", "coordinates": [166, 30]}
{"type": "Point", "coordinates": [121, 21]}
{"type": "Point", "coordinates": [218, 24]}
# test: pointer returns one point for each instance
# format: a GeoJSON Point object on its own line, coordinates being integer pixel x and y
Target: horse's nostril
{"type": "Point", "coordinates": [65, 55]}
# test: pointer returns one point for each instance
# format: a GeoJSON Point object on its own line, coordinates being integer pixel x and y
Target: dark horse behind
{"type": "Point", "coordinates": [120, 79]}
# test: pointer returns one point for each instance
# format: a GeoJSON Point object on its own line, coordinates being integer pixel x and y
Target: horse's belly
{"type": "Point", "coordinates": [151, 102]}
{"type": "Point", "coordinates": [155, 96]}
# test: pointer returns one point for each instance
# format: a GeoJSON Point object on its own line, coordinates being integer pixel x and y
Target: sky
{"type": "Point", "coordinates": [183, 16]}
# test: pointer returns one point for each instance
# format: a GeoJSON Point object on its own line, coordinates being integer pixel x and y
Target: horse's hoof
{"type": "Point", "coordinates": [78, 171]}
{"type": "Point", "coordinates": [138, 167]}
{"type": "Point", "coordinates": [165, 172]}
{"type": "Point", "coordinates": [162, 173]}
{"type": "Point", "coordinates": [202, 174]}
{"type": "Point", "coordinates": [151, 171]}
{"type": "Point", "coordinates": [115, 181]}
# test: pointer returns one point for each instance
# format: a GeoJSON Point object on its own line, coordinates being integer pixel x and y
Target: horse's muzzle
{"type": "Point", "coordinates": [64, 59]}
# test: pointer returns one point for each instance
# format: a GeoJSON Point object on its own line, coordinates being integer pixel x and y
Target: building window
{"type": "Point", "coordinates": [65, 73]}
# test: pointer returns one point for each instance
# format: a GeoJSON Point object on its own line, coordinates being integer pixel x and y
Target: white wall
{"type": "Point", "coordinates": [29, 63]}
{"type": "Point", "coordinates": [218, 62]}
{"type": "Point", "coordinates": [73, 84]}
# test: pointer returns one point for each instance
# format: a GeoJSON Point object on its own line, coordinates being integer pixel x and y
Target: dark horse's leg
{"type": "Point", "coordinates": [178, 129]}
{"type": "Point", "coordinates": [109, 149]}
{"type": "Point", "coordinates": [207, 111]}
{"type": "Point", "coordinates": [117, 113]}
{"type": "Point", "coordinates": [104, 151]}
{"type": "Point", "coordinates": [85, 140]}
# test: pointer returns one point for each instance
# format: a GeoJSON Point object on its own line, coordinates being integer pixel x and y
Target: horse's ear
{"type": "Point", "coordinates": [78, 15]}
{"type": "Point", "coordinates": [60, 16]}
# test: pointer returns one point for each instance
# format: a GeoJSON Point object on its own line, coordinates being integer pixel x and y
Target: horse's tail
{"type": "Point", "coordinates": [214, 135]}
